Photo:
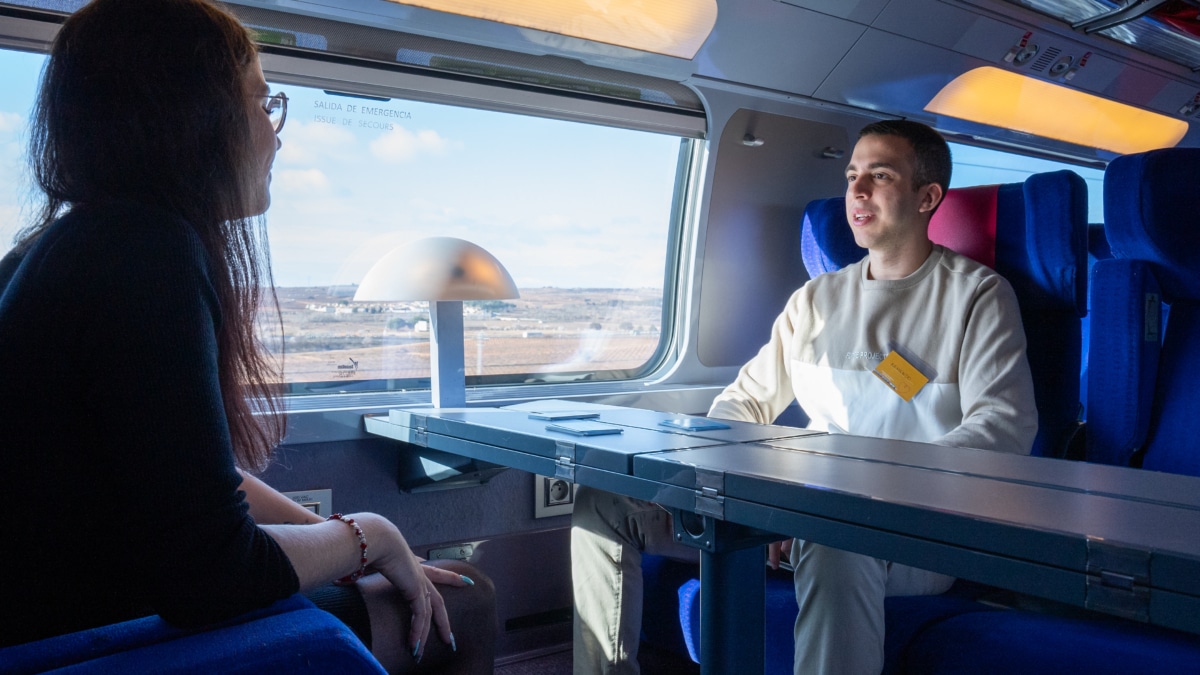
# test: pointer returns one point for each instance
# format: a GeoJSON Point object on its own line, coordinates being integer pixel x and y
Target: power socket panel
{"type": "Point", "coordinates": [319, 502]}
{"type": "Point", "coordinates": [462, 551]}
{"type": "Point", "coordinates": [552, 496]}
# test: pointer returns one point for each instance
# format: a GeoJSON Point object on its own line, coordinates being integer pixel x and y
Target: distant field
{"type": "Point", "coordinates": [551, 330]}
{"type": "Point", "coordinates": [500, 356]}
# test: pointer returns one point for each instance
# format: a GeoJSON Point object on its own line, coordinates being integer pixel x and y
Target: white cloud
{"type": "Point", "coordinates": [402, 145]}
{"type": "Point", "coordinates": [552, 221]}
{"type": "Point", "coordinates": [10, 122]}
{"type": "Point", "coordinates": [301, 181]}
{"type": "Point", "coordinates": [314, 142]}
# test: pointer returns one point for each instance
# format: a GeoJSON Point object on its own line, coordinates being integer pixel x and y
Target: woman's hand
{"type": "Point", "coordinates": [325, 551]}
{"type": "Point", "coordinates": [445, 577]}
{"type": "Point", "coordinates": [415, 582]}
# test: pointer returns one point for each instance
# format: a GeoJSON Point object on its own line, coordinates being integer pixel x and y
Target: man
{"type": "Point", "coordinates": [909, 308]}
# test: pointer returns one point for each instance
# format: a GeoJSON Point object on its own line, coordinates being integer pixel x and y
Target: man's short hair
{"type": "Point", "coordinates": [930, 153]}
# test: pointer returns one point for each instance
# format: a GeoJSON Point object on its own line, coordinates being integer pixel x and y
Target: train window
{"type": "Point", "coordinates": [975, 165]}
{"type": "Point", "coordinates": [580, 215]}
{"type": "Point", "coordinates": [20, 72]}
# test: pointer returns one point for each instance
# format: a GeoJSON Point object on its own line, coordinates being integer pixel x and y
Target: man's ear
{"type": "Point", "coordinates": [931, 196]}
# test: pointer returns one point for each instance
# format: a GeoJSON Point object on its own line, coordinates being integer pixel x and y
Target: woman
{"type": "Point", "coordinates": [128, 350]}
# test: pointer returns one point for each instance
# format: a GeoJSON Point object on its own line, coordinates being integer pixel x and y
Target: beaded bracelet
{"type": "Point", "coordinates": [362, 545]}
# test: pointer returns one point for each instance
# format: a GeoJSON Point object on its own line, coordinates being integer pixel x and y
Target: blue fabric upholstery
{"type": "Point", "coordinates": [1151, 204]}
{"type": "Point", "coordinates": [1041, 239]}
{"type": "Point", "coordinates": [953, 634]}
{"type": "Point", "coordinates": [1174, 423]}
{"type": "Point", "coordinates": [1041, 249]}
{"type": "Point", "coordinates": [1141, 379]}
{"type": "Point", "coordinates": [824, 247]}
{"type": "Point", "coordinates": [779, 607]}
{"type": "Point", "coordinates": [1098, 249]}
{"type": "Point", "coordinates": [661, 579]}
{"type": "Point", "coordinates": [1124, 341]}
{"type": "Point", "coordinates": [689, 616]}
{"type": "Point", "coordinates": [289, 636]}
{"type": "Point", "coordinates": [906, 617]}
{"type": "Point", "coordinates": [1010, 641]}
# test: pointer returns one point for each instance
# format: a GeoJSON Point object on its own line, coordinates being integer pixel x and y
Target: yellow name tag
{"type": "Point", "coordinates": [900, 375]}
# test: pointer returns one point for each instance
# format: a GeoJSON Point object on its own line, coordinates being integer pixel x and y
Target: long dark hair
{"type": "Point", "coordinates": [144, 101]}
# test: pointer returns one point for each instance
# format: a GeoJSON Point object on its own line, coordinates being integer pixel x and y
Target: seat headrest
{"type": "Point", "coordinates": [826, 242]}
{"type": "Point", "coordinates": [1054, 257]}
{"type": "Point", "coordinates": [1152, 213]}
{"type": "Point", "coordinates": [965, 222]}
{"type": "Point", "coordinates": [1033, 233]}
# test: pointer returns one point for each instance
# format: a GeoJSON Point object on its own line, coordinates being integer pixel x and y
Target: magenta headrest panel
{"type": "Point", "coordinates": [966, 223]}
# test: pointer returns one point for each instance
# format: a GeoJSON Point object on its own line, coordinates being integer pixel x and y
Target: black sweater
{"type": "Point", "coordinates": [115, 454]}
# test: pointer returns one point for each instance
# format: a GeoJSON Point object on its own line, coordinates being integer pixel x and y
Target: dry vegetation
{"type": "Point", "coordinates": [548, 330]}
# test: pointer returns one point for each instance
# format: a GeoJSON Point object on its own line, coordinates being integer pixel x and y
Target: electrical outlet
{"type": "Point", "coordinates": [558, 492]}
{"type": "Point", "coordinates": [552, 496]}
{"type": "Point", "coordinates": [319, 502]}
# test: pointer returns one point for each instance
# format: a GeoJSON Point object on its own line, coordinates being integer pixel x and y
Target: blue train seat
{"type": "Point", "coordinates": [1012, 641]}
{"type": "Point", "coordinates": [1138, 401]}
{"type": "Point", "coordinates": [954, 634]}
{"type": "Point", "coordinates": [290, 636]}
{"type": "Point", "coordinates": [1035, 234]}
{"type": "Point", "coordinates": [1141, 405]}
{"type": "Point", "coordinates": [1145, 337]}
{"type": "Point", "coordinates": [1098, 249]}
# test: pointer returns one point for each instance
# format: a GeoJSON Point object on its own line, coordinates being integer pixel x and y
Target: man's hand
{"type": "Point", "coordinates": [777, 550]}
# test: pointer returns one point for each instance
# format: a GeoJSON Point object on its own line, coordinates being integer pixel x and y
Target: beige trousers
{"type": "Point", "coordinates": [839, 628]}
{"type": "Point", "coordinates": [609, 533]}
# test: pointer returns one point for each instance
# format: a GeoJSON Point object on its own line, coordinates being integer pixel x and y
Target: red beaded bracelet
{"type": "Point", "coordinates": [362, 545]}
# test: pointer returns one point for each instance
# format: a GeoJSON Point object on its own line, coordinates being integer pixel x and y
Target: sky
{"type": "Point", "coordinates": [19, 74]}
{"type": "Point", "coordinates": [560, 204]}
{"type": "Point", "coordinates": [982, 166]}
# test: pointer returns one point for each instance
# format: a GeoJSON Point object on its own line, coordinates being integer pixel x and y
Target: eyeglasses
{"type": "Point", "coordinates": [276, 107]}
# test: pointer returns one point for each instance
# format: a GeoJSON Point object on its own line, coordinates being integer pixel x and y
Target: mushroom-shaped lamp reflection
{"type": "Point", "coordinates": [445, 271]}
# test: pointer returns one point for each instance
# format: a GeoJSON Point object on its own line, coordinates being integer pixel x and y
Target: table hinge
{"type": "Point", "coordinates": [710, 488]}
{"type": "Point", "coordinates": [1118, 580]}
{"type": "Point", "coordinates": [415, 423]}
{"type": "Point", "coordinates": [564, 457]}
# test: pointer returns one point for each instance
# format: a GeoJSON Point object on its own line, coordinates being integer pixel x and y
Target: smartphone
{"type": "Point", "coordinates": [584, 428]}
{"type": "Point", "coordinates": [563, 415]}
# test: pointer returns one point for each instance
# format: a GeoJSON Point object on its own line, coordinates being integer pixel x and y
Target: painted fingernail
{"type": "Point", "coordinates": [467, 580]}
{"type": "Point", "coordinates": [453, 644]}
{"type": "Point", "coordinates": [417, 650]}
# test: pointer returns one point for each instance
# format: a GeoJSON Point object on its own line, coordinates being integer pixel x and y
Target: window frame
{"type": "Point", "coordinates": [284, 66]}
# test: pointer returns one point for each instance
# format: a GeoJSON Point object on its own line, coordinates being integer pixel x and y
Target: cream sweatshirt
{"type": "Point", "coordinates": [956, 320]}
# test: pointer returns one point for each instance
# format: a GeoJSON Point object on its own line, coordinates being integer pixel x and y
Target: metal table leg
{"type": "Point", "coordinates": [732, 575]}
